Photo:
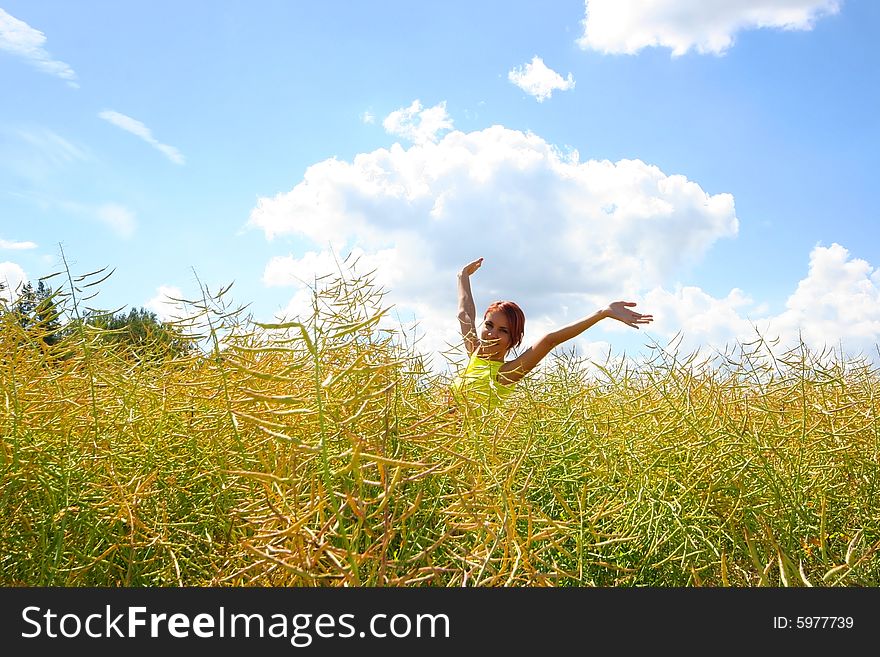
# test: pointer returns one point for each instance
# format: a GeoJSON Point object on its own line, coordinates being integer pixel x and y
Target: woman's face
{"type": "Point", "coordinates": [495, 335]}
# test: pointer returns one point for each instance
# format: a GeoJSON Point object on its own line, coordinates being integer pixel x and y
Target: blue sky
{"type": "Point", "coordinates": [714, 162]}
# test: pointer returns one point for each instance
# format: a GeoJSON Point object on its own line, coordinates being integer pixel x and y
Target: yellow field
{"type": "Point", "coordinates": [324, 454]}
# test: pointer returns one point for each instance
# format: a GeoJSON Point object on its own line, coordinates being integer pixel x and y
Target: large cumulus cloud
{"type": "Point", "coordinates": [554, 230]}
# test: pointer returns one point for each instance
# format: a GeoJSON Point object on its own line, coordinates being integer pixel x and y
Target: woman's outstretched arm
{"type": "Point", "coordinates": [467, 311]}
{"type": "Point", "coordinates": [514, 370]}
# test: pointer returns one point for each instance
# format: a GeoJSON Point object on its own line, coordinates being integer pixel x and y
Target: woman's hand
{"type": "Point", "coordinates": [620, 310]}
{"type": "Point", "coordinates": [471, 267]}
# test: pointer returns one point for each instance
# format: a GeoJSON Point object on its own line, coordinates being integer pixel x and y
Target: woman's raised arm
{"type": "Point", "coordinates": [512, 371]}
{"type": "Point", "coordinates": [467, 311]}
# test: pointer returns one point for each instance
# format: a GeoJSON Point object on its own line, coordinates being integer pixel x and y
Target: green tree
{"type": "Point", "coordinates": [37, 312]}
{"type": "Point", "coordinates": [139, 331]}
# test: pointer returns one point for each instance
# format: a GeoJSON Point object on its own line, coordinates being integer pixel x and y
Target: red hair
{"type": "Point", "coordinates": [516, 319]}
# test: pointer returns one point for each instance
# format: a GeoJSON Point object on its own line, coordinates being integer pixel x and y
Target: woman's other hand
{"type": "Point", "coordinates": [620, 310]}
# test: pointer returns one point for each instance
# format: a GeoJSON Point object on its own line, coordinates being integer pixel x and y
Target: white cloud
{"type": "Point", "coordinates": [368, 118]}
{"type": "Point", "coordinates": [554, 231]}
{"type": "Point", "coordinates": [20, 39]}
{"type": "Point", "coordinates": [537, 80]}
{"type": "Point", "coordinates": [838, 301]}
{"type": "Point", "coordinates": [627, 26]}
{"type": "Point", "coordinates": [836, 304]}
{"type": "Point", "coordinates": [702, 319]}
{"type": "Point", "coordinates": [138, 129]}
{"type": "Point", "coordinates": [388, 269]}
{"type": "Point", "coordinates": [12, 278]}
{"type": "Point", "coordinates": [384, 267]}
{"type": "Point", "coordinates": [289, 271]}
{"type": "Point", "coordinates": [166, 305]}
{"type": "Point", "coordinates": [16, 246]}
{"type": "Point", "coordinates": [418, 125]}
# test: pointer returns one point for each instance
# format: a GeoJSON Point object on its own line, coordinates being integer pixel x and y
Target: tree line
{"type": "Point", "coordinates": [38, 311]}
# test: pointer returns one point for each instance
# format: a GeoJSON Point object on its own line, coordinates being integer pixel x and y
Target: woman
{"type": "Point", "coordinates": [488, 378]}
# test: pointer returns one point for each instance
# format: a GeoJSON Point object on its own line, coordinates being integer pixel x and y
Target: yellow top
{"type": "Point", "coordinates": [479, 382]}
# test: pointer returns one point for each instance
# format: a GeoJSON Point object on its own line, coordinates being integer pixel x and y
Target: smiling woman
{"type": "Point", "coordinates": [488, 379]}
